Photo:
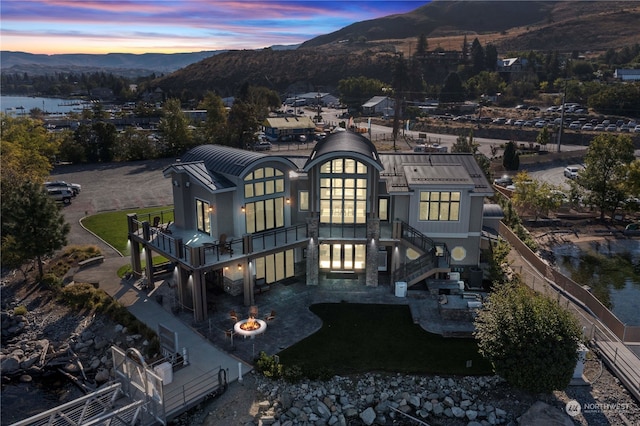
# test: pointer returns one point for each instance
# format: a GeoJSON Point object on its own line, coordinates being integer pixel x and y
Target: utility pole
{"type": "Point", "coordinates": [564, 97]}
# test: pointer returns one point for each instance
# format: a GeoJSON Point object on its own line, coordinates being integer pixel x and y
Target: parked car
{"type": "Point", "coordinates": [611, 128]}
{"type": "Point", "coordinates": [636, 129]}
{"type": "Point", "coordinates": [571, 172]}
{"type": "Point", "coordinates": [62, 195]}
{"type": "Point", "coordinates": [75, 188]}
{"type": "Point", "coordinates": [503, 181]}
{"type": "Point", "coordinates": [262, 146]}
{"type": "Point", "coordinates": [575, 125]}
{"type": "Point", "coordinates": [599, 128]}
{"type": "Point", "coordinates": [587, 126]}
{"type": "Point", "coordinates": [540, 124]}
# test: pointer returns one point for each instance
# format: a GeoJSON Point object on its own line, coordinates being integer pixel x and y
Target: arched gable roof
{"type": "Point", "coordinates": [341, 143]}
{"type": "Point", "coordinates": [229, 161]}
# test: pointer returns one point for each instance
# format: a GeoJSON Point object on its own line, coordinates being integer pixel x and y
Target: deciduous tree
{"type": "Point", "coordinates": [530, 340]}
{"type": "Point", "coordinates": [605, 173]}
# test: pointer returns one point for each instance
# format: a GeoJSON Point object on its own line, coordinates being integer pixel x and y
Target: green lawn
{"type": "Point", "coordinates": [112, 226]}
{"type": "Point", "coordinates": [357, 338]}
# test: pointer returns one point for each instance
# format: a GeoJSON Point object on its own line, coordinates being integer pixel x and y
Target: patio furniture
{"type": "Point", "coordinates": [156, 221]}
{"type": "Point", "coordinates": [233, 315]}
{"type": "Point", "coordinates": [261, 285]}
{"type": "Point", "coordinates": [222, 245]}
{"type": "Point", "coordinates": [253, 311]}
{"type": "Point", "coordinates": [271, 316]}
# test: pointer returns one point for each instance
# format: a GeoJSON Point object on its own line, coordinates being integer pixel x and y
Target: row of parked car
{"type": "Point", "coordinates": [605, 126]}
{"type": "Point", "coordinates": [62, 191]}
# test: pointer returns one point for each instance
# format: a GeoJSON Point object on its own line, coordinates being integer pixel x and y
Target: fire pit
{"type": "Point", "coordinates": [250, 327]}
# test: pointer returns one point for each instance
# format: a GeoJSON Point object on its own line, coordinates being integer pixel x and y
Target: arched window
{"type": "Point", "coordinates": [343, 192]}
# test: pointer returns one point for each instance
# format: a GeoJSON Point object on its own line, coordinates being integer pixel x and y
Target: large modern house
{"type": "Point", "coordinates": [243, 220]}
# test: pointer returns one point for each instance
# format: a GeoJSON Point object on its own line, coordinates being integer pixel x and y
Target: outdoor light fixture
{"type": "Point", "coordinates": [288, 200]}
{"type": "Point", "coordinates": [187, 184]}
{"type": "Point", "coordinates": [239, 266]}
{"type": "Point", "coordinates": [210, 209]}
{"type": "Point", "coordinates": [242, 208]}
{"type": "Point", "coordinates": [176, 183]}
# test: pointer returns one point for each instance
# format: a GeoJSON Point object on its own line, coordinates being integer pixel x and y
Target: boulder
{"type": "Point", "coordinates": [542, 414]}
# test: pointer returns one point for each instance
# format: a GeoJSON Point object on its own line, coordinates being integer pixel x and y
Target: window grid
{"type": "Point", "coordinates": [343, 192]}
{"type": "Point", "coordinates": [265, 211]}
{"type": "Point", "coordinates": [439, 206]}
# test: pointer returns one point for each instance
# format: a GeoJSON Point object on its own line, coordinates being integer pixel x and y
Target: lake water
{"type": "Point", "coordinates": [21, 105]}
{"type": "Point", "coordinates": [624, 298]}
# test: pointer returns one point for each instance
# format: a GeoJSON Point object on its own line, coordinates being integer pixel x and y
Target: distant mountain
{"type": "Point", "coordinates": [450, 16]}
{"type": "Point", "coordinates": [368, 48]}
{"type": "Point", "coordinates": [117, 63]}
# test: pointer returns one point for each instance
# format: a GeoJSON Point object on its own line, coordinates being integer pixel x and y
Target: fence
{"type": "Point", "coordinates": [624, 332]}
{"type": "Point", "coordinates": [608, 335]}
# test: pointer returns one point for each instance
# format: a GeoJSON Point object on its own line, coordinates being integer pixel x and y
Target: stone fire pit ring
{"type": "Point", "coordinates": [237, 328]}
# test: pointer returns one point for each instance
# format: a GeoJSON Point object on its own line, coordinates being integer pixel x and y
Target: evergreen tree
{"type": "Point", "coordinates": [477, 57]}
{"type": "Point", "coordinates": [452, 90]}
{"type": "Point", "coordinates": [511, 159]}
{"type": "Point", "coordinates": [421, 48]}
{"type": "Point", "coordinates": [32, 225]}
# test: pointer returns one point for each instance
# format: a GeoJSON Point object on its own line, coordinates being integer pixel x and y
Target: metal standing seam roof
{"type": "Point", "coordinates": [198, 171]}
{"type": "Point", "coordinates": [215, 165]}
{"type": "Point", "coordinates": [344, 142]}
{"type": "Point", "coordinates": [223, 159]}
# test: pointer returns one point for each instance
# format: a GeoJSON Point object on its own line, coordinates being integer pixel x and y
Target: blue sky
{"type": "Point", "coordinates": [171, 26]}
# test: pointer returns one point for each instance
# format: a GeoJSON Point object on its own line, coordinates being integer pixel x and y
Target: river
{"type": "Point", "coordinates": [622, 291]}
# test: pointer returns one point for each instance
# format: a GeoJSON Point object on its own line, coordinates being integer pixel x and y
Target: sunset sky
{"type": "Point", "coordinates": [171, 26]}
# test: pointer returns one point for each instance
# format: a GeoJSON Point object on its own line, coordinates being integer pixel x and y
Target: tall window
{"type": "Point", "coordinates": [439, 206]}
{"type": "Point", "coordinates": [264, 194]}
{"type": "Point", "coordinates": [303, 200]}
{"type": "Point", "coordinates": [342, 257]}
{"type": "Point", "coordinates": [343, 192]}
{"type": "Point", "coordinates": [275, 267]}
{"type": "Point", "coordinates": [383, 209]}
{"type": "Point", "coordinates": [202, 216]}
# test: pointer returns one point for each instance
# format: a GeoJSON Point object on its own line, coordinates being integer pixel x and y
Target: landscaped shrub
{"type": "Point", "coordinates": [20, 310]}
{"type": "Point", "coordinates": [292, 374]}
{"type": "Point", "coordinates": [51, 281]}
{"type": "Point", "coordinates": [268, 366]}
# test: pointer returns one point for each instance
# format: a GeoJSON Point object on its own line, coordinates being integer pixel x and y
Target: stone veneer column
{"type": "Point", "coordinates": [312, 252]}
{"type": "Point", "coordinates": [373, 236]}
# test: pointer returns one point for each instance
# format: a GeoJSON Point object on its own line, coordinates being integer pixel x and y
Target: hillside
{"type": "Point", "coordinates": [125, 64]}
{"type": "Point", "coordinates": [368, 48]}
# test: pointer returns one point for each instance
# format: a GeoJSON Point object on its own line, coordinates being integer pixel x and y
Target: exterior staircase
{"type": "Point", "coordinates": [434, 257]}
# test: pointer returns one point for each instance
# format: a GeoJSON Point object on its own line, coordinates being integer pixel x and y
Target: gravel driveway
{"type": "Point", "coordinates": [110, 187]}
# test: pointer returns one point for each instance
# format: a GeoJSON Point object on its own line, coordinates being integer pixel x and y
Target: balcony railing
{"type": "Point", "coordinates": [205, 250]}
